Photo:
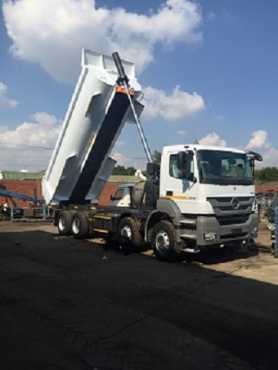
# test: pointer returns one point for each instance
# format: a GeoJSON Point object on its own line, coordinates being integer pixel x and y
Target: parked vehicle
{"type": "Point", "coordinates": [200, 196]}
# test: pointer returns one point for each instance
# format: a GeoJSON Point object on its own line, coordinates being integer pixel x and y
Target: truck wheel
{"type": "Point", "coordinates": [80, 226]}
{"type": "Point", "coordinates": [164, 241]}
{"type": "Point", "coordinates": [129, 236]}
{"type": "Point", "coordinates": [64, 222]}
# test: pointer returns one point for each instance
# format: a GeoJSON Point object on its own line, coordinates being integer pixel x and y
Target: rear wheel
{"type": "Point", "coordinates": [64, 222]}
{"type": "Point", "coordinates": [129, 236]}
{"type": "Point", "coordinates": [80, 225]}
{"type": "Point", "coordinates": [164, 241]}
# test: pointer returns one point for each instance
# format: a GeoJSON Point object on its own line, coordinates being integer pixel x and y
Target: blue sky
{"type": "Point", "coordinates": [231, 65]}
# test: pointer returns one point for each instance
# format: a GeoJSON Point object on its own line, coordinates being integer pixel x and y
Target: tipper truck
{"type": "Point", "coordinates": [199, 196]}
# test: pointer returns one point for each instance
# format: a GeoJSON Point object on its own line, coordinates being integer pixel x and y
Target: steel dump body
{"type": "Point", "coordinates": [80, 164]}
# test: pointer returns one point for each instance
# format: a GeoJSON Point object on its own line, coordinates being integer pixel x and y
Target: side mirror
{"type": "Point", "coordinates": [255, 156]}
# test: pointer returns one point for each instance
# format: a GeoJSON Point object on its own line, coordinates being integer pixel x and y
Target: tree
{"type": "Point", "coordinates": [267, 174]}
{"type": "Point", "coordinates": [123, 171]}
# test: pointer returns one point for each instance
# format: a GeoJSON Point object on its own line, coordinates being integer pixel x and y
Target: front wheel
{"type": "Point", "coordinates": [164, 241]}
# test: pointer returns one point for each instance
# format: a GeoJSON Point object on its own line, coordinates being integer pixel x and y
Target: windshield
{"type": "Point", "coordinates": [221, 167]}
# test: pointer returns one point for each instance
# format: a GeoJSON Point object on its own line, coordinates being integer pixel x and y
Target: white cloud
{"type": "Point", "coordinates": [53, 32]}
{"type": "Point", "coordinates": [270, 157]}
{"type": "Point", "coordinates": [176, 106]}
{"type": "Point", "coordinates": [258, 140]}
{"type": "Point", "coordinates": [212, 139]}
{"type": "Point", "coordinates": [5, 101]}
{"type": "Point", "coordinates": [182, 132]}
{"type": "Point", "coordinates": [30, 144]}
{"type": "Point", "coordinates": [129, 161]}
{"type": "Point", "coordinates": [120, 158]}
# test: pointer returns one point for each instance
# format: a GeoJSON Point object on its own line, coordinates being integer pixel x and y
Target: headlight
{"type": "Point", "coordinates": [210, 236]}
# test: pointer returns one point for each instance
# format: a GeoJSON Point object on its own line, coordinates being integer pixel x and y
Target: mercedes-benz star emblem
{"type": "Point", "coordinates": [235, 203]}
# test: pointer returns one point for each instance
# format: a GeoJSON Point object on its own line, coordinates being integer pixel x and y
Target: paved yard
{"type": "Point", "coordinates": [68, 304]}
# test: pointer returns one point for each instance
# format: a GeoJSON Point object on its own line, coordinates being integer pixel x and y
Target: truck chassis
{"type": "Point", "coordinates": [167, 233]}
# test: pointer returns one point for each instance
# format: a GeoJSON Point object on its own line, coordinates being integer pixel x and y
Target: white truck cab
{"type": "Point", "coordinates": [212, 171]}
{"type": "Point", "coordinates": [212, 191]}
{"type": "Point", "coordinates": [207, 192]}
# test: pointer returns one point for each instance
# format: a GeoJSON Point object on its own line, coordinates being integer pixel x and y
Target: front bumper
{"type": "Point", "coordinates": [208, 231]}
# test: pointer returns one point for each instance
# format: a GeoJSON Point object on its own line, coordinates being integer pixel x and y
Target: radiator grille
{"type": "Point", "coordinates": [231, 205]}
{"type": "Point", "coordinates": [233, 220]}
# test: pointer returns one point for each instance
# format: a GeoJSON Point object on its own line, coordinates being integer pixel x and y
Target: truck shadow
{"type": "Point", "coordinates": [227, 254]}
{"type": "Point", "coordinates": [235, 314]}
{"type": "Point", "coordinates": [212, 255]}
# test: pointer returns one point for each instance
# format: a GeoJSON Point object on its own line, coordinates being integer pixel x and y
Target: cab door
{"type": "Point", "coordinates": [173, 180]}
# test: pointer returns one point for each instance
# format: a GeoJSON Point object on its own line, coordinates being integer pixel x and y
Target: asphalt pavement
{"type": "Point", "coordinates": [69, 304]}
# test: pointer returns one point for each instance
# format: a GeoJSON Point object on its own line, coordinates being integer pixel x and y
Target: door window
{"type": "Point", "coordinates": [176, 172]}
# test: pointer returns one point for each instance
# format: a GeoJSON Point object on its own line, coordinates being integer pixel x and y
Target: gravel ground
{"type": "Point", "coordinates": [69, 304]}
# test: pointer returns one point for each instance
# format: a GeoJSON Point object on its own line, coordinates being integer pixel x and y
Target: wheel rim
{"type": "Point", "coordinates": [126, 232]}
{"type": "Point", "coordinates": [162, 242]}
{"type": "Point", "coordinates": [62, 224]}
{"type": "Point", "coordinates": [76, 226]}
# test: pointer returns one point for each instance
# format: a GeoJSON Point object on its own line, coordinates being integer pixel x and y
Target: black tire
{"type": "Point", "coordinates": [64, 221]}
{"type": "Point", "coordinates": [80, 225]}
{"type": "Point", "coordinates": [164, 241]}
{"type": "Point", "coordinates": [129, 237]}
